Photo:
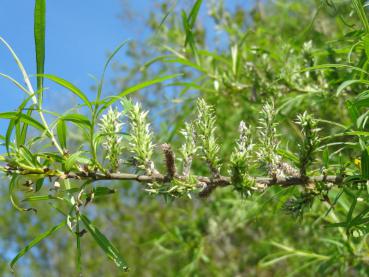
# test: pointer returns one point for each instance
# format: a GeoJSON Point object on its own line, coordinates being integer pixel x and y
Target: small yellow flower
{"type": "Point", "coordinates": [357, 162]}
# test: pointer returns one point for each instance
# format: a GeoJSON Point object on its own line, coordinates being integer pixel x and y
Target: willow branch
{"type": "Point", "coordinates": [207, 183]}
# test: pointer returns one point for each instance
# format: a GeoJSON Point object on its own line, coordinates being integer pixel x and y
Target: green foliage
{"type": "Point", "coordinates": [275, 63]}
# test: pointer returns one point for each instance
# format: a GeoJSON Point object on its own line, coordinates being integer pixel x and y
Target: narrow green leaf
{"type": "Point", "coordinates": [76, 118]}
{"type": "Point", "coordinates": [353, 111]}
{"type": "Point", "coordinates": [366, 45]}
{"type": "Point", "coordinates": [349, 83]}
{"type": "Point", "coordinates": [194, 13]}
{"type": "Point", "coordinates": [79, 250]}
{"type": "Point", "coordinates": [61, 131]}
{"type": "Point", "coordinates": [28, 156]}
{"type": "Point", "coordinates": [39, 184]}
{"type": "Point", "coordinates": [39, 34]}
{"type": "Point", "coordinates": [64, 83]}
{"type": "Point", "coordinates": [8, 134]}
{"type": "Point", "coordinates": [23, 131]}
{"type": "Point", "coordinates": [110, 250]}
{"type": "Point", "coordinates": [190, 39]}
{"type": "Point", "coordinates": [358, 5]}
{"type": "Point", "coordinates": [15, 82]}
{"type": "Point", "coordinates": [362, 100]}
{"type": "Point", "coordinates": [101, 83]}
{"type": "Point", "coordinates": [365, 164]}
{"type": "Point", "coordinates": [20, 66]}
{"type": "Point", "coordinates": [280, 257]}
{"type": "Point", "coordinates": [12, 186]}
{"type": "Point", "coordinates": [102, 191]}
{"type": "Point", "coordinates": [72, 160]}
{"type": "Point", "coordinates": [24, 118]}
{"type": "Point", "coordinates": [360, 217]}
{"type": "Point", "coordinates": [288, 155]}
{"type": "Point", "coordinates": [329, 66]}
{"type": "Point", "coordinates": [187, 63]}
{"type": "Point", "coordinates": [351, 212]}
{"type": "Point", "coordinates": [40, 198]}
{"type": "Point", "coordinates": [50, 156]}
{"type": "Point", "coordinates": [34, 242]}
{"type": "Point", "coordinates": [326, 157]}
{"type": "Point", "coordinates": [154, 60]}
{"type": "Point", "coordinates": [138, 87]}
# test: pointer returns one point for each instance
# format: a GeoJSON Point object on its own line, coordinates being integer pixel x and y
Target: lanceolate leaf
{"type": "Point", "coordinates": [28, 156]}
{"type": "Point", "coordinates": [101, 83]}
{"type": "Point", "coordinates": [79, 250]}
{"type": "Point", "coordinates": [352, 110]}
{"type": "Point", "coordinates": [8, 135]}
{"type": "Point", "coordinates": [138, 87]}
{"type": "Point", "coordinates": [193, 14]}
{"type": "Point", "coordinates": [358, 4]}
{"type": "Point", "coordinates": [39, 184]}
{"type": "Point", "coordinates": [362, 100]}
{"type": "Point", "coordinates": [70, 163]}
{"type": "Point", "coordinates": [39, 34]}
{"type": "Point", "coordinates": [61, 131]}
{"type": "Point", "coordinates": [12, 185]}
{"type": "Point", "coordinates": [76, 118]}
{"type": "Point", "coordinates": [15, 82]}
{"type": "Point", "coordinates": [41, 198]}
{"type": "Point", "coordinates": [23, 131]}
{"type": "Point", "coordinates": [329, 66]}
{"type": "Point", "coordinates": [69, 86]}
{"type": "Point", "coordinates": [36, 241]}
{"type": "Point", "coordinates": [110, 250]}
{"type": "Point", "coordinates": [23, 117]}
{"type": "Point", "coordinates": [365, 164]}
{"type": "Point", "coordinates": [349, 83]}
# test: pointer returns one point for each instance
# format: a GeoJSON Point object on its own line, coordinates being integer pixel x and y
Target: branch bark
{"type": "Point", "coordinates": [208, 184]}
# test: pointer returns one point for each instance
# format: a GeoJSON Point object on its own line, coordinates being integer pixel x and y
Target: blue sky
{"type": "Point", "coordinates": [79, 34]}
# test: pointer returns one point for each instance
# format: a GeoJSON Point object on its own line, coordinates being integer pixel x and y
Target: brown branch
{"type": "Point", "coordinates": [208, 184]}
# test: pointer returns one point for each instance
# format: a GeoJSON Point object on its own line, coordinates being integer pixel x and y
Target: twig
{"type": "Point", "coordinates": [209, 184]}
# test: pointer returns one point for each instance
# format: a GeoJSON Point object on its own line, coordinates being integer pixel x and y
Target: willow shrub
{"type": "Point", "coordinates": [119, 145]}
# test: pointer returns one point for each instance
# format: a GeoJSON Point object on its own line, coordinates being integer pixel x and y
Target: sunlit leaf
{"type": "Point", "coordinates": [64, 83]}
{"type": "Point", "coordinates": [110, 250]}
{"type": "Point", "coordinates": [34, 242]}
{"type": "Point", "coordinates": [39, 34]}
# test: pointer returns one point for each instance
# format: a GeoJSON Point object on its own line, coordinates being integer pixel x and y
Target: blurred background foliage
{"type": "Point", "coordinates": [236, 57]}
